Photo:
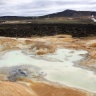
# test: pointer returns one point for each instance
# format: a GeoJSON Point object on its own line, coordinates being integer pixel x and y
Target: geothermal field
{"type": "Point", "coordinates": [59, 65]}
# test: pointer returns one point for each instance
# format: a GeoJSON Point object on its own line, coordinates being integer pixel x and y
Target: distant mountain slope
{"type": "Point", "coordinates": [15, 18]}
{"type": "Point", "coordinates": [66, 13]}
{"type": "Point", "coordinates": [71, 13]}
{"type": "Point", "coordinates": [67, 16]}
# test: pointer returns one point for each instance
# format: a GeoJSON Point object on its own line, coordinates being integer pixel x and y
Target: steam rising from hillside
{"type": "Point", "coordinates": [93, 19]}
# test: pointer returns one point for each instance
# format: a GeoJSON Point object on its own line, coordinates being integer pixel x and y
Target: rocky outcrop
{"type": "Point", "coordinates": [28, 30]}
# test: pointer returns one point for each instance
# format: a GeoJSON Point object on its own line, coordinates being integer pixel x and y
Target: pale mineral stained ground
{"type": "Point", "coordinates": [57, 65]}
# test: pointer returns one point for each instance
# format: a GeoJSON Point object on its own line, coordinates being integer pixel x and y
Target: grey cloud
{"type": "Point", "coordinates": [71, 2]}
{"type": "Point", "coordinates": [42, 7]}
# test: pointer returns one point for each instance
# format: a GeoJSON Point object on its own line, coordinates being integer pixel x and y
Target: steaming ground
{"type": "Point", "coordinates": [50, 59]}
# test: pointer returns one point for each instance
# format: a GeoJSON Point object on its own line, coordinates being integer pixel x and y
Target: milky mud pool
{"type": "Point", "coordinates": [56, 67]}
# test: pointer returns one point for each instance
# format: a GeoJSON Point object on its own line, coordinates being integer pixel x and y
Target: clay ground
{"type": "Point", "coordinates": [29, 88]}
{"type": "Point", "coordinates": [40, 46]}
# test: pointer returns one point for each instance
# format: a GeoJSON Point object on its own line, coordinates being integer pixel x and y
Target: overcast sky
{"type": "Point", "coordinates": [42, 7]}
